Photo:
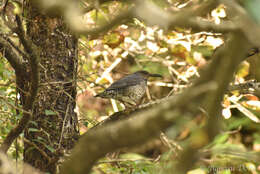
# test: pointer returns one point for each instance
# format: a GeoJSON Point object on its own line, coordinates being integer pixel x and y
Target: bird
{"type": "Point", "coordinates": [130, 89]}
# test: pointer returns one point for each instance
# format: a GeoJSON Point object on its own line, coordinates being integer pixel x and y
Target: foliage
{"type": "Point", "coordinates": [178, 55]}
{"type": "Point", "coordinates": [9, 107]}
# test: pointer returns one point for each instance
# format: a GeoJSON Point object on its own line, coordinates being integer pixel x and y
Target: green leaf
{"type": "Point", "coordinates": [141, 56]}
{"type": "Point", "coordinates": [219, 139]}
{"type": "Point", "coordinates": [222, 138]}
{"type": "Point", "coordinates": [34, 123]}
{"type": "Point", "coordinates": [33, 130]}
{"type": "Point", "coordinates": [205, 50]}
{"type": "Point", "coordinates": [235, 123]}
{"type": "Point", "coordinates": [39, 141]}
{"type": "Point", "coordinates": [49, 148]}
{"type": "Point", "coordinates": [111, 38]}
{"type": "Point", "coordinates": [49, 112]}
{"type": "Point", "coordinates": [225, 172]}
{"type": "Point", "coordinates": [86, 123]}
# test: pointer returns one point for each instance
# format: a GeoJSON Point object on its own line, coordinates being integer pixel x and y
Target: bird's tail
{"type": "Point", "coordinates": [100, 95]}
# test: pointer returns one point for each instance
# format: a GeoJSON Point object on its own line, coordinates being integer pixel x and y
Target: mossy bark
{"type": "Point", "coordinates": [54, 125]}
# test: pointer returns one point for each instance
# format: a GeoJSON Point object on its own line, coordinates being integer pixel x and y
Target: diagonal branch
{"type": "Point", "coordinates": [221, 70]}
{"type": "Point", "coordinates": [33, 88]}
{"type": "Point", "coordinates": [33, 60]}
{"type": "Point", "coordinates": [11, 56]}
{"type": "Point", "coordinates": [141, 127]}
{"type": "Point", "coordinates": [147, 124]}
{"type": "Point", "coordinates": [186, 18]}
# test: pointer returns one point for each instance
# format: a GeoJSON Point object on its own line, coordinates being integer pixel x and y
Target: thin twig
{"type": "Point", "coordinates": [14, 46]}
{"type": "Point", "coordinates": [63, 125]}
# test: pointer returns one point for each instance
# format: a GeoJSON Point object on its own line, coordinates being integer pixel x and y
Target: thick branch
{"type": "Point", "coordinates": [147, 124]}
{"type": "Point", "coordinates": [186, 18]}
{"type": "Point", "coordinates": [227, 61]}
{"type": "Point", "coordinates": [224, 65]}
{"type": "Point", "coordinates": [136, 130]}
{"type": "Point", "coordinates": [245, 23]}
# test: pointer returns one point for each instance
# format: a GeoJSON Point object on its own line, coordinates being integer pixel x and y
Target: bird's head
{"type": "Point", "coordinates": [146, 74]}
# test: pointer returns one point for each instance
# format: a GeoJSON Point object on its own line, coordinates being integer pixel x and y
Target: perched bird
{"type": "Point", "coordinates": [130, 89]}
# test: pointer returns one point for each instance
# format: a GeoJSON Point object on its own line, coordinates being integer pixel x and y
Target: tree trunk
{"type": "Point", "coordinates": [54, 125]}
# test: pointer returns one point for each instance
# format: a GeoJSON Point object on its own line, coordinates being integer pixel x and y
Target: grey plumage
{"type": "Point", "coordinates": [129, 89]}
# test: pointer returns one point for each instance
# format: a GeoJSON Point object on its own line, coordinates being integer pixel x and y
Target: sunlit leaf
{"type": "Point", "coordinates": [205, 50]}
{"type": "Point", "coordinates": [98, 17]}
{"type": "Point", "coordinates": [243, 69]}
{"type": "Point", "coordinates": [113, 39]}
{"type": "Point", "coordinates": [179, 51]}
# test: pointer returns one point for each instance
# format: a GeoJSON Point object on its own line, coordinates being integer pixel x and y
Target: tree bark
{"type": "Point", "coordinates": [53, 127]}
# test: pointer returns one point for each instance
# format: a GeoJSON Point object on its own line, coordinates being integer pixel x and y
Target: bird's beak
{"type": "Point", "coordinates": [155, 75]}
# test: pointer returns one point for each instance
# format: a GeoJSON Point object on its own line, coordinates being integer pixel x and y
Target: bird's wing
{"type": "Point", "coordinates": [126, 81]}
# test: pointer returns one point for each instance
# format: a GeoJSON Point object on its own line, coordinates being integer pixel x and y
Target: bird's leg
{"type": "Point", "coordinates": [148, 93]}
{"type": "Point", "coordinates": [128, 106]}
{"type": "Point", "coordinates": [140, 102]}
{"type": "Point", "coordinates": [128, 103]}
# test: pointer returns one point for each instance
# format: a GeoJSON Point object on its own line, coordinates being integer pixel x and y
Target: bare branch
{"type": "Point", "coordinates": [11, 56]}
{"type": "Point", "coordinates": [30, 50]}
{"type": "Point", "coordinates": [15, 46]}
{"type": "Point", "coordinates": [186, 18]}
{"type": "Point", "coordinates": [221, 70]}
